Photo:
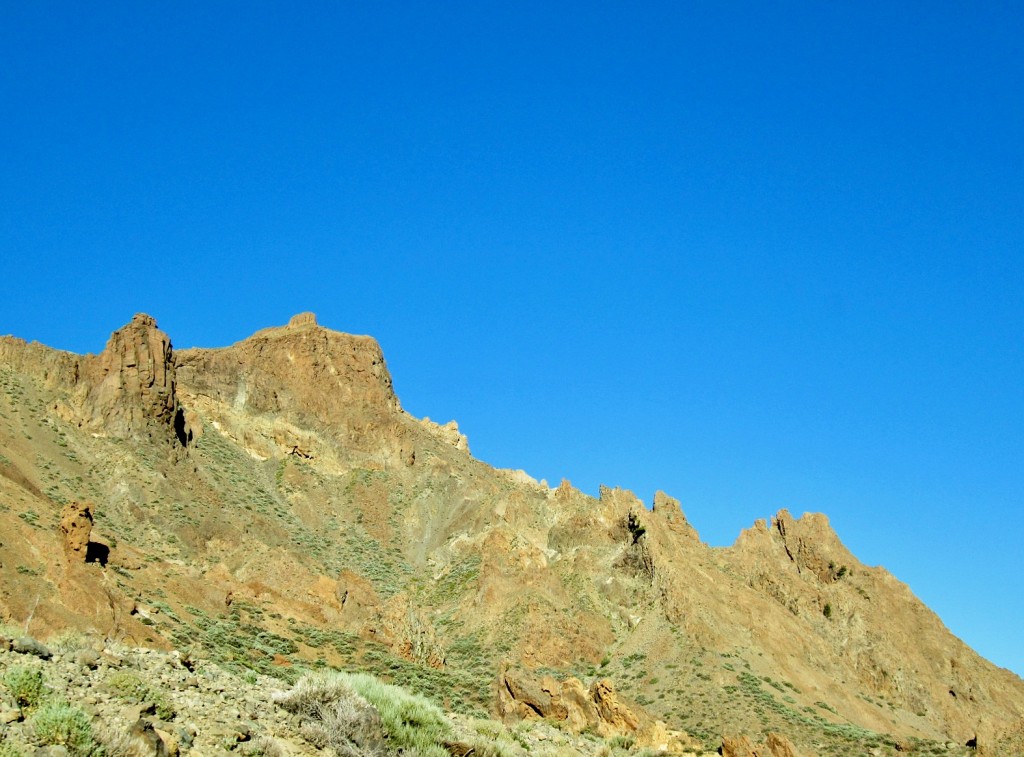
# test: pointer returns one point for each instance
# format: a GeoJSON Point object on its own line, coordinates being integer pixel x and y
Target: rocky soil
{"type": "Point", "coordinates": [141, 701]}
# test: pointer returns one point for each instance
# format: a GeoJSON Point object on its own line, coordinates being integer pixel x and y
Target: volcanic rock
{"type": "Point", "coordinates": [75, 528]}
{"type": "Point", "coordinates": [131, 384]}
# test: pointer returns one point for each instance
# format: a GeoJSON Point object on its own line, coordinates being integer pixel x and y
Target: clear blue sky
{"type": "Point", "coordinates": [756, 255]}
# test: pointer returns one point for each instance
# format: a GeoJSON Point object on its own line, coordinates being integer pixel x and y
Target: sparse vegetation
{"type": "Point", "coordinates": [133, 688]}
{"type": "Point", "coordinates": [58, 723]}
{"type": "Point", "coordinates": [357, 714]}
{"type": "Point", "coordinates": [410, 721]}
{"type": "Point", "coordinates": [26, 685]}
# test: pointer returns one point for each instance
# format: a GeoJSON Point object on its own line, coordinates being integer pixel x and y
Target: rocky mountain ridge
{"type": "Point", "coordinates": [272, 503]}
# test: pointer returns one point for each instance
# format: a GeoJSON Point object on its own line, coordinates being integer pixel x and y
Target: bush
{"type": "Point", "coordinates": [26, 685]}
{"type": "Point", "coordinates": [69, 641]}
{"type": "Point", "coordinates": [264, 746]}
{"type": "Point", "coordinates": [410, 721]}
{"type": "Point", "coordinates": [358, 714]}
{"type": "Point", "coordinates": [492, 739]}
{"type": "Point", "coordinates": [132, 688]}
{"type": "Point", "coordinates": [59, 723]}
{"type": "Point", "coordinates": [9, 750]}
{"type": "Point", "coordinates": [334, 715]}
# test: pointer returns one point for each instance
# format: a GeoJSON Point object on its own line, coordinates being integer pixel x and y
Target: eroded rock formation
{"type": "Point", "coordinates": [75, 529]}
{"type": "Point", "coordinates": [131, 383]}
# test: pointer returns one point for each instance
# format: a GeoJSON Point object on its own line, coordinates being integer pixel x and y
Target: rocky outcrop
{"type": "Point", "coordinates": [812, 545]}
{"type": "Point", "coordinates": [522, 697]}
{"type": "Point", "coordinates": [577, 708]}
{"type": "Point", "coordinates": [611, 712]}
{"type": "Point", "coordinates": [54, 368]}
{"type": "Point", "coordinates": [130, 386]}
{"type": "Point", "coordinates": [302, 319]}
{"type": "Point", "coordinates": [75, 529]}
{"type": "Point", "coordinates": [669, 509]}
{"type": "Point", "coordinates": [448, 433]}
{"type": "Point", "coordinates": [741, 746]}
{"type": "Point", "coordinates": [302, 373]}
{"type": "Point", "coordinates": [359, 602]}
{"type": "Point", "coordinates": [128, 390]}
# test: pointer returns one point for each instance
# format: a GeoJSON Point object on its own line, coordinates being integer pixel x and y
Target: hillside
{"type": "Point", "coordinates": [270, 506]}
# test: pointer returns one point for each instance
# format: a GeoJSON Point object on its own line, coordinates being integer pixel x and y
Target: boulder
{"type": "Point", "coordinates": [28, 645]}
{"type": "Point", "coordinates": [569, 703]}
{"type": "Point", "coordinates": [742, 746]}
{"type": "Point", "coordinates": [75, 528]}
{"type": "Point", "coordinates": [146, 740]}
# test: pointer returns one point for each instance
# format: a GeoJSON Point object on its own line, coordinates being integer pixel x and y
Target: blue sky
{"type": "Point", "coordinates": [756, 255]}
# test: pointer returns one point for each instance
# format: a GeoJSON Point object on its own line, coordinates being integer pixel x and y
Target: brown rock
{"type": "Point", "coordinates": [301, 374]}
{"type": "Point", "coordinates": [741, 746]}
{"type": "Point", "coordinates": [521, 698]}
{"type": "Point", "coordinates": [580, 710]}
{"type": "Point", "coordinates": [657, 737]}
{"type": "Point", "coordinates": [146, 740]}
{"type": "Point", "coordinates": [131, 384]}
{"type": "Point", "coordinates": [448, 433]}
{"type": "Point", "coordinates": [75, 528]}
{"type": "Point", "coordinates": [614, 714]}
{"type": "Point", "coordinates": [669, 508]}
{"type": "Point", "coordinates": [738, 746]}
{"type": "Point", "coordinates": [302, 319]}
{"type": "Point", "coordinates": [357, 597]}
{"type": "Point", "coordinates": [780, 746]}
{"type": "Point", "coordinates": [567, 702]}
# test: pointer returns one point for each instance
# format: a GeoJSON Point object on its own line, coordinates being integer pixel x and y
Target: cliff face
{"type": "Point", "coordinates": [301, 373]}
{"type": "Point", "coordinates": [272, 503]}
{"type": "Point", "coordinates": [130, 385]}
{"type": "Point", "coordinates": [126, 391]}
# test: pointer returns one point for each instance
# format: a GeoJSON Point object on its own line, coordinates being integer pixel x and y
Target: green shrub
{"type": "Point", "coordinates": [26, 685]}
{"type": "Point", "coordinates": [59, 723]}
{"type": "Point", "coordinates": [9, 750]}
{"type": "Point", "coordinates": [358, 714]}
{"type": "Point", "coordinates": [492, 739]}
{"type": "Point", "coordinates": [133, 688]}
{"type": "Point", "coordinates": [69, 641]}
{"type": "Point", "coordinates": [410, 721]}
{"type": "Point", "coordinates": [622, 741]}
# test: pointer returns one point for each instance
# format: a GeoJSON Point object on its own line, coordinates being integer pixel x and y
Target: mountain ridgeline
{"type": "Point", "coordinates": [272, 506]}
